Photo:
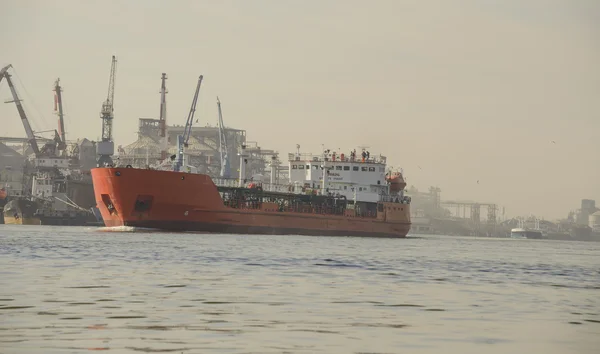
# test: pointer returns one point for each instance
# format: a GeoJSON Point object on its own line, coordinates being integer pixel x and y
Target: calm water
{"type": "Point", "coordinates": [71, 290]}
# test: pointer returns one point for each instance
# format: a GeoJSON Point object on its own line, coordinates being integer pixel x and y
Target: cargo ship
{"type": "Point", "coordinates": [328, 194]}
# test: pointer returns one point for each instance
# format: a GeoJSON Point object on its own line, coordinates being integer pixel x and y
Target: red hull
{"type": "Point", "coordinates": [191, 202]}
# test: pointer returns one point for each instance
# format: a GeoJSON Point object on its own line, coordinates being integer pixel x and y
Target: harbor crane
{"type": "Point", "coordinates": [47, 150]}
{"type": "Point", "coordinates": [182, 140]}
{"type": "Point", "coordinates": [163, 117]}
{"type": "Point", "coordinates": [30, 136]}
{"type": "Point", "coordinates": [58, 109]}
{"type": "Point", "coordinates": [225, 168]}
{"type": "Point", "coordinates": [50, 148]}
{"type": "Point", "coordinates": [106, 148]}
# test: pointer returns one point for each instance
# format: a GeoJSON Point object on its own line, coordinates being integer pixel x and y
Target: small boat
{"type": "Point", "coordinates": [21, 211]}
{"type": "Point", "coordinates": [522, 233]}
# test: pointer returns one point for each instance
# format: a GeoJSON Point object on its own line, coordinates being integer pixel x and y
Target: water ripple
{"type": "Point", "coordinates": [74, 290]}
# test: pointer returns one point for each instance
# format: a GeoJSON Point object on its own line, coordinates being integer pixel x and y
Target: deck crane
{"type": "Point", "coordinates": [30, 136]}
{"type": "Point", "coordinates": [225, 169]}
{"type": "Point", "coordinates": [182, 140]}
{"type": "Point", "coordinates": [106, 148]}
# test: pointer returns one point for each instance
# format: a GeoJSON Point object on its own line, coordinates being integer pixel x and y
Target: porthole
{"type": "Point", "coordinates": [118, 173]}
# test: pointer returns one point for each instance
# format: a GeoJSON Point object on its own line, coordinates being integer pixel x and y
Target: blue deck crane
{"type": "Point", "coordinates": [182, 140]}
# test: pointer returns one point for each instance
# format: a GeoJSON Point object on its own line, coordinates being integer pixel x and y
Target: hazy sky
{"type": "Point", "coordinates": [467, 90]}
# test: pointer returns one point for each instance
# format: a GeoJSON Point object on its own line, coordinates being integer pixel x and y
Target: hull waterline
{"type": "Point", "coordinates": [178, 201]}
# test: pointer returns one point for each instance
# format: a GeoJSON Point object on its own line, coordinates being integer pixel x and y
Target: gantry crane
{"type": "Point", "coordinates": [182, 140]}
{"type": "Point", "coordinates": [225, 169]}
{"type": "Point", "coordinates": [106, 148]}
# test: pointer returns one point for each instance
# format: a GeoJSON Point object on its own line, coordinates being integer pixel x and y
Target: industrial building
{"type": "Point", "coordinates": [202, 150]}
{"type": "Point", "coordinates": [11, 170]}
{"type": "Point", "coordinates": [432, 215]}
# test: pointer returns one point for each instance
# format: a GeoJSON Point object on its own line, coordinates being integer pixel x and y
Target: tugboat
{"type": "Point", "coordinates": [48, 204]}
{"type": "Point", "coordinates": [54, 205]}
{"type": "Point", "coordinates": [21, 211]}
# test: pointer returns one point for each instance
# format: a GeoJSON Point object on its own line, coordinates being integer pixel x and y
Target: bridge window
{"type": "Point", "coordinates": [339, 168]}
{"type": "Point", "coordinates": [346, 168]}
{"type": "Point", "coordinates": [308, 167]}
{"type": "Point", "coordinates": [294, 167]}
{"type": "Point", "coordinates": [300, 167]}
{"type": "Point", "coordinates": [371, 169]}
{"type": "Point", "coordinates": [364, 169]}
{"type": "Point", "coordinates": [355, 168]}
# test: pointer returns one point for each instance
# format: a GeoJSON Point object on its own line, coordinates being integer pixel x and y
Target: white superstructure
{"type": "Point", "coordinates": [51, 190]}
{"type": "Point", "coordinates": [357, 176]}
{"type": "Point", "coordinates": [58, 162]}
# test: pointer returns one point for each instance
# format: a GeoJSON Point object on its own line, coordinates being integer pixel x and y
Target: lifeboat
{"type": "Point", "coordinates": [396, 182]}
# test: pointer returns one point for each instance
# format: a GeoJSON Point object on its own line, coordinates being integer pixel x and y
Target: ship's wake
{"type": "Point", "coordinates": [123, 229]}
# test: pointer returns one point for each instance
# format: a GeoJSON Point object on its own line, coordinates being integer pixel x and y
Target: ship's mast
{"type": "Point", "coordinates": [324, 188]}
{"type": "Point", "coordinates": [225, 169]}
{"type": "Point", "coordinates": [243, 162]}
{"type": "Point", "coordinates": [274, 166]}
{"type": "Point", "coordinates": [163, 117]}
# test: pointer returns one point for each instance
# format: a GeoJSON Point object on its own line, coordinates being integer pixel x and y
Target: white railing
{"type": "Point", "coordinates": [306, 157]}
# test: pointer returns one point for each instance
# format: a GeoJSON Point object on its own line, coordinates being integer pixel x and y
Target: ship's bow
{"type": "Point", "coordinates": [152, 198]}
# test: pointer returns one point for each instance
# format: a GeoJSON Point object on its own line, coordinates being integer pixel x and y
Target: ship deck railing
{"type": "Point", "coordinates": [269, 187]}
{"type": "Point", "coordinates": [394, 199]}
{"type": "Point", "coordinates": [308, 157]}
{"type": "Point", "coordinates": [299, 209]}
